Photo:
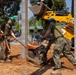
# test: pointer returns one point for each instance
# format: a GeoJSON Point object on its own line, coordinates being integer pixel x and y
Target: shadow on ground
{"type": "Point", "coordinates": [49, 65]}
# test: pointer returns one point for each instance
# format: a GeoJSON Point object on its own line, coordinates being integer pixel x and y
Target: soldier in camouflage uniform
{"type": "Point", "coordinates": [61, 44]}
{"type": "Point", "coordinates": [7, 32]}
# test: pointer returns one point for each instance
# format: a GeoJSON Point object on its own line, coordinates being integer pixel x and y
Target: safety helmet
{"type": "Point", "coordinates": [51, 19]}
{"type": "Point", "coordinates": [12, 19]}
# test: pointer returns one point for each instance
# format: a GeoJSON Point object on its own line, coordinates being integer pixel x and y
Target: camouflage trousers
{"type": "Point", "coordinates": [4, 50]}
{"type": "Point", "coordinates": [62, 45]}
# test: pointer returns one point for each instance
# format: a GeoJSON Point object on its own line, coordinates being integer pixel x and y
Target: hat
{"type": "Point", "coordinates": [12, 19]}
{"type": "Point", "coordinates": [51, 19]}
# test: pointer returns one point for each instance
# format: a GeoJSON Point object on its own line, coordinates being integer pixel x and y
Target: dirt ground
{"type": "Point", "coordinates": [20, 66]}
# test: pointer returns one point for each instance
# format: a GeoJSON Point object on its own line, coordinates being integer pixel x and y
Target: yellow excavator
{"type": "Point", "coordinates": [44, 12]}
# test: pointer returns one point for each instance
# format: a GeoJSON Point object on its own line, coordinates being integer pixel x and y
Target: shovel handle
{"type": "Point", "coordinates": [20, 42]}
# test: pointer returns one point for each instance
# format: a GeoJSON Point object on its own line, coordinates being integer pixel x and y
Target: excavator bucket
{"type": "Point", "coordinates": [39, 9]}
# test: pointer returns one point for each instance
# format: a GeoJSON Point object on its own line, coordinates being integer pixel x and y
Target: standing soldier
{"type": "Point", "coordinates": [6, 33]}
{"type": "Point", "coordinates": [62, 44]}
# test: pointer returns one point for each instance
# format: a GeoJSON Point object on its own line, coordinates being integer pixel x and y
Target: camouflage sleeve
{"type": "Point", "coordinates": [7, 29]}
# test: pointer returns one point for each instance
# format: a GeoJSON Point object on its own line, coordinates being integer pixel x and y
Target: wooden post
{"type": "Point", "coordinates": [24, 26]}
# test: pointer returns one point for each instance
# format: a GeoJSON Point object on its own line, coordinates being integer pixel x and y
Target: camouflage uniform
{"type": "Point", "coordinates": [61, 45]}
{"type": "Point", "coordinates": [8, 27]}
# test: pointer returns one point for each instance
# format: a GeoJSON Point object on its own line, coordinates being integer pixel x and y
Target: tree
{"type": "Point", "coordinates": [58, 5]}
{"type": "Point", "coordinates": [49, 2]}
{"type": "Point", "coordinates": [34, 21]}
{"type": "Point", "coordinates": [18, 27]}
{"type": "Point", "coordinates": [35, 29]}
{"type": "Point", "coordinates": [8, 8]}
{"type": "Point", "coordinates": [33, 2]}
{"type": "Point", "coordinates": [53, 4]}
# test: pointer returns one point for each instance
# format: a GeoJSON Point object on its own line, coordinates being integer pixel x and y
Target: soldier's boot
{"type": "Point", "coordinates": [59, 67]}
{"type": "Point", "coordinates": [8, 59]}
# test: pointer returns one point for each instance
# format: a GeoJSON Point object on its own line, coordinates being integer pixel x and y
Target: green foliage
{"type": "Point", "coordinates": [49, 3]}
{"type": "Point", "coordinates": [36, 22]}
{"type": "Point", "coordinates": [33, 2]}
{"type": "Point", "coordinates": [18, 27]}
{"type": "Point", "coordinates": [32, 20]}
{"type": "Point", "coordinates": [1, 20]}
{"type": "Point", "coordinates": [35, 29]}
{"type": "Point", "coordinates": [53, 4]}
{"type": "Point", "coordinates": [8, 8]}
{"type": "Point", "coordinates": [58, 5]}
